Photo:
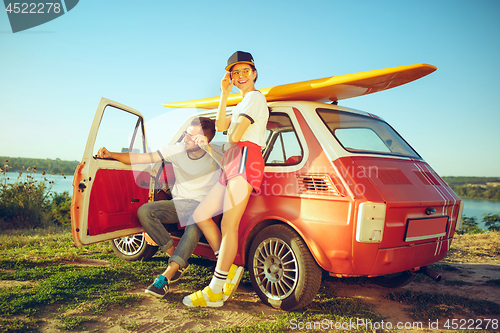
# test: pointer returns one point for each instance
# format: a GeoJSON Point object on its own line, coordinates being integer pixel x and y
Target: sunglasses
{"type": "Point", "coordinates": [190, 137]}
{"type": "Point", "coordinates": [246, 72]}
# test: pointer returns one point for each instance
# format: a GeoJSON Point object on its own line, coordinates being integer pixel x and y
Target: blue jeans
{"type": "Point", "coordinates": [154, 214]}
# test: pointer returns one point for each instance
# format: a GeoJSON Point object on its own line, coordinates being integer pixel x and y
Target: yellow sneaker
{"type": "Point", "coordinates": [203, 298]}
{"type": "Point", "coordinates": [233, 280]}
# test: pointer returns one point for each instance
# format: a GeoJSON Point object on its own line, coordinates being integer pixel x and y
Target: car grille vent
{"type": "Point", "coordinates": [313, 184]}
{"type": "Point", "coordinates": [393, 177]}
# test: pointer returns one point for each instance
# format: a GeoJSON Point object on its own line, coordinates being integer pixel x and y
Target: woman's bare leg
{"type": "Point", "coordinates": [235, 202]}
{"type": "Point", "coordinates": [211, 205]}
{"type": "Point", "coordinates": [235, 199]}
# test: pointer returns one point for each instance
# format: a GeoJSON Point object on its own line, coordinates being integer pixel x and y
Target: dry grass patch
{"type": "Point", "coordinates": [478, 248]}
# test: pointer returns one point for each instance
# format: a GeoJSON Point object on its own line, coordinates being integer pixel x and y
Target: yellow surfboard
{"type": "Point", "coordinates": [332, 88]}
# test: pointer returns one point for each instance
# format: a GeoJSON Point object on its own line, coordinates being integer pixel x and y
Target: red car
{"type": "Point", "coordinates": [342, 192]}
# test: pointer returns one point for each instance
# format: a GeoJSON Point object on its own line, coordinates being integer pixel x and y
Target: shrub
{"type": "Point", "coordinates": [60, 209]}
{"type": "Point", "coordinates": [29, 203]}
{"type": "Point", "coordinates": [469, 226]}
{"type": "Point", "coordinates": [492, 221]}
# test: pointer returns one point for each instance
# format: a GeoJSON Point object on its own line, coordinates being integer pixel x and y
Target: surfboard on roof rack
{"type": "Point", "coordinates": [327, 89]}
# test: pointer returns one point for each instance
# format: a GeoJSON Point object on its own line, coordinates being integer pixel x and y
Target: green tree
{"type": "Point", "coordinates": [60, 209]}
{"type": "Point", "coordinates": [492, 221]}
{"type": "Point", "coordinates": [469, 226]}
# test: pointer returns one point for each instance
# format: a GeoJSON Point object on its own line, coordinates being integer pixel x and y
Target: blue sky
{"type": "Point", "coordinates": [144, 53]}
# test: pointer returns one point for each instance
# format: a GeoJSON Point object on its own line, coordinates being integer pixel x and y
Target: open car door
{"type": "Point", "coordinates": [106, 192]}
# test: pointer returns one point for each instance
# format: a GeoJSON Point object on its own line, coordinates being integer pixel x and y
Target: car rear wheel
{"type": "Point", "coordinates": [132, 248]}
{"type": "Point", "coordinates": [283, 272]}
{"type": "Point", "coordinates": [395, 280]}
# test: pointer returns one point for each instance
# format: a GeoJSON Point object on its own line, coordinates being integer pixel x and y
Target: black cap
{"type": "Point", "coordinates": [239, 57]}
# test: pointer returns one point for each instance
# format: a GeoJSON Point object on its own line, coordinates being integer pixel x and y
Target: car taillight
{"type": "Point", "coordinates": [370, 223]}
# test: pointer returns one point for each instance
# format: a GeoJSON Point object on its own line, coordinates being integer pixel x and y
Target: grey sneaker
{"type": "Point", "coordinates": [180, 272]}
{"type": "Point", "coordinates": [159, 288]}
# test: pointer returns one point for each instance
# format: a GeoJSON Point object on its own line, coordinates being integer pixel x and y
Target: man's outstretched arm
{"type": "Point", "coordinates": [130, 158]}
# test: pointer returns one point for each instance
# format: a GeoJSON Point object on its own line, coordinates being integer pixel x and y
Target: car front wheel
{"type": "Point", "coordinates": [132, 248]}
{"type": "Point", "coordinates": [282, 270]}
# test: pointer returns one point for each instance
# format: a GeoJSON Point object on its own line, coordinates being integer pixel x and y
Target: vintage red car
{"type": "Point", "coordinates": [343, 192]}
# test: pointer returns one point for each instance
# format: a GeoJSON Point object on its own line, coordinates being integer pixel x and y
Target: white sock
{"type": "Point", "coordinates": [216, 254]}
{"type": "Point", "coordinates": [218, 281]}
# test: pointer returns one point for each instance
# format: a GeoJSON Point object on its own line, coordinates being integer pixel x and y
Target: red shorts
{"type": "Point", "coordinates": [243, 159]}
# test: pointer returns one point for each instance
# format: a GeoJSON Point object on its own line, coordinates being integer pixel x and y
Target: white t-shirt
{"type": "Point", "coordinates": [254, 107]}
{"type": "Point", "coordinates": [193, 177]}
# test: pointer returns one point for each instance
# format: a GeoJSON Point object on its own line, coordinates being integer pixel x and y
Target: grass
{"type": "Point", "coordinates": [132, 327]}
{"type": "Point", "coordinates": [493, 282]}
{"type": "Point", "coordinates": [46, 277]}
{"type": "Point", "coordinates": [478, 247]}
{"type": "Point", "coordinates": [47, 264]}
{"type": "Point", "coordinates": [47, 260]}
{"type": "Point", "coordinates": [70, 323]}
{"type": "Point", "coordinates": [55, 243]}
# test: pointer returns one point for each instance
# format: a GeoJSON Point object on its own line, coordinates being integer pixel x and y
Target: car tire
{"type": "Point", "coordinates": [395, 280]}
{"type": "Point", "coordinates": [132, 248]}
{"type": "Point", "coordinates": [282, 270]}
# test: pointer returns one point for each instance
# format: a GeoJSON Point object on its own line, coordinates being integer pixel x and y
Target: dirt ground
{"type": "Point", "coordinates": [476, 258]}
{"type": "Point", "coordinates": [475, 273]}
{"type": "Point", "coordinates": [169, 315]}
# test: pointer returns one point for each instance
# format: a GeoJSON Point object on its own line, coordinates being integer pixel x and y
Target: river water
{"type": "Point", "coordinates": [60, 184]}
{"type": "Point", "coordinates": [478, 208]}
{"type": "Point", "coordinates": [472, 208]}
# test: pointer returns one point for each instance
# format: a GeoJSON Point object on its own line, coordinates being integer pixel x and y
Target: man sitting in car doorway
{"type": "Point", "coordinates": [195, 174]}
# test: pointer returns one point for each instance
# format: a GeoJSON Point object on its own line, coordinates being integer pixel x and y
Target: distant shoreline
{"type": "Point", "coordinates": [483, 199]}
{"type": "Point", "coordinates": [474, 188]}
{"type": "Point", "coordinates": [49, 166]}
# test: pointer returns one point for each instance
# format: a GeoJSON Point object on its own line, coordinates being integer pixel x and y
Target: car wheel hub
{"type": "Point", "coordinates": [275, 268]}
{"type": "Point", "coordinates": [130, 245]}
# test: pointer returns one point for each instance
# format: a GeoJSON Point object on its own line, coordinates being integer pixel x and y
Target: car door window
{"type": "Point", "coordinates": [283, 146]}
{"type": "Point", "coordinates": [120, 131]}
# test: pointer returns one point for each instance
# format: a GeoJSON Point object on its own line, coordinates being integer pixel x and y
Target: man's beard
{"type": "Point", "coordinates": [194, 149]}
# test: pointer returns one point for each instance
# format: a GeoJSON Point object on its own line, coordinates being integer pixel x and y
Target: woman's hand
{"type": "Point", "coordinates": [103, 153]}
{"type": "Point", "coordinates": [227, 84]}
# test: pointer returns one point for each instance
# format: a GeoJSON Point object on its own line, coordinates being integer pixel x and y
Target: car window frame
{"type": "Point", "coordinates": [371, 118]}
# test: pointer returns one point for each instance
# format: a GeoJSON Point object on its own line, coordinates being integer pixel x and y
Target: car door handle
{"type": "Point", "coordinates": [135, 200]}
